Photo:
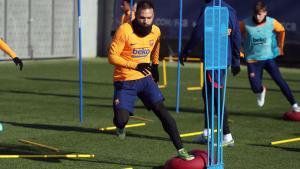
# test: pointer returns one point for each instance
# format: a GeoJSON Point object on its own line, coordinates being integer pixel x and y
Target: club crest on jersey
{"type": "Point", "coordinates": [151, 42]}
{"type": "Point", "coordinates": [117, 101]}
{"type": "Point", "coordinates": [140, 52]}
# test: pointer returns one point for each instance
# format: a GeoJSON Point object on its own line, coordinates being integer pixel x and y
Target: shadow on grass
{"type": "Point", "coordinates": [53, 94]}
{"type": "Point", "coordinates": [24, 150]}
{"type": "Point", "coordinates": [66, 81]}
{"type": "Point", "coordinates": [170, 108]}
{"type": "Point", "coordinates": [249, 89]}
{"type": "Point", "coordinates": [88, 130]}
{"type": "Point", "coordinates": [256, 115]}
{"type": "Point", "coordinates": [287, 80]}
{"type": "Point", "coordinates": [120, 161]}
{"type": "Point", "coordinates": [278, 147]}
{"type": "Point", "coordinates": [14, 149]}
{"type": "Point", "coordinates": [201, 111]}
{"type": "Point", "coordinates": [56, 127]}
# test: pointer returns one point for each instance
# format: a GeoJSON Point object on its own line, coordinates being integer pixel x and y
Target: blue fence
{"type": "Point", "coordinates": [167, 18]}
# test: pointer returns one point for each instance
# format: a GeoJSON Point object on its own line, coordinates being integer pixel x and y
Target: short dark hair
{"type": "Point", "coordinates": [260, 5]}
{"type": "Point", "coordinates": [144, 4]}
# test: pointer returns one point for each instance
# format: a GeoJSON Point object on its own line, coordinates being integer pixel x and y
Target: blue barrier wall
{"type": "Point", "coordinates": [167, 18]}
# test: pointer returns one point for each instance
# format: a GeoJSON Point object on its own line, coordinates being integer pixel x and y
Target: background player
{"type": "Point", "coordinates": [234, 44]}
{"type": "Point", "coordinates": [263, 41]}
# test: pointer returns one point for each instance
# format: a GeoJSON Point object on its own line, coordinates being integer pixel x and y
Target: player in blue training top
{"type": "Point", "coordinates": [234, 44]}
{"type": "Point", "coordinates": [263, 41]}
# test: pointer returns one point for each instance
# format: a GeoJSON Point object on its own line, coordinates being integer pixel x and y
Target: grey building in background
{"type": "Point", "coordinates": [106, 19]}
{"type": "Point", "coordinates": [37, 29]}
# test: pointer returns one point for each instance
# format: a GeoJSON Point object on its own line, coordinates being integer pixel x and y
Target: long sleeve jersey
{"type": "Point", "coordinates": [127, 50]}
{"type": "Point", "coordinates": [234, 39]}
{"type": "Point", "coordinates": [7, 49]}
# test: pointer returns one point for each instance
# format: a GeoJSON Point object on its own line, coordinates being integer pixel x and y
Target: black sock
{"type": "Point", "coordinates": [168, 124]}
{"type": "Point", "coordinates": [121, 117]}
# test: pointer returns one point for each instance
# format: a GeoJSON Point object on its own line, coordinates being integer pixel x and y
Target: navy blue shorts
{"type": "Point", "coordinates": [126, 93]}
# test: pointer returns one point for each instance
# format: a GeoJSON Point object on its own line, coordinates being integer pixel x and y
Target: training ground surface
{"type": "Point", "coordinates": [41, 104]}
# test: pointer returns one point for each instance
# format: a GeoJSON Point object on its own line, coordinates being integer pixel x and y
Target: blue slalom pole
{"type": "Point", "coordinates": [179, 55]}
{"type": "Point", "coordinates": [131, 8]}
{"type": "Point", "coordinates": [80, 64]}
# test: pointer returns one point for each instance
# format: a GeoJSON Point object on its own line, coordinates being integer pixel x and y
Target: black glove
{"type": "Point", "coordinates": [154, 72]}
{"type": "Point", "coordinates": [183, 58]}
{"type": "Point", "coordinates": [279, 58]}
{"type": "Point", "coordinates": [112, 33]}
{"type": "Point", "coordinates": [144, 68]}
{"type": "Point", "coordinates": [19, 62]}
{"type": "Point", "coordinates": [235, 70]}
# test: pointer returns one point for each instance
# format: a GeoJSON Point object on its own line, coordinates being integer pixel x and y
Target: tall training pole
{"type": "Point", "coordinates": [131, 9]}
{"type": "Point", "coordinates": [80, 63]}
{"type": "Point", "coordinates": [215, 62]}
{"type": "Point", "coordinates": [179, 55]}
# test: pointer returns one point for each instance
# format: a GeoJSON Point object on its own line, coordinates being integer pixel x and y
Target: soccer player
{"type": "Point", "coordinates": [263, 41]}
{"type": "Point", "coordinates": [4, 47]}
{"type": "Point", "coordinates": [128, 14]}
{"type": "Point", "coordinates": [133, 47]}
{"type": "Point", "coordinates": [234, 43]}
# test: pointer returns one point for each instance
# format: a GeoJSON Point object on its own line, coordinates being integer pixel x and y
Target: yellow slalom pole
{"type": "Point", "coordinates": [141, 118]}
{"type": "Point", "coordinates": [188, 59]}
{"type": "Point", "coordinates": [165, 72]}
{"type": "Point", "coordinates": [128, 168]}
{"type": "Point", "coordinates": [285, 141]}
{"type": "Point", "coordinates": [193, 88]}
{"type": "Point", "coordinates": [127, 126]}
{"type": "Point", "coordinates": [164, 85]}
{"type": "Point", "coordinates": [39, 145]}
{"type": "Point", "coordinates": [193, 134]}
{"type": "Point", "coordinates": [201, 80]}
{"type": "Point", "coordinates": [201, 75]}
{"type": "Point", "coordinates": [50, 156]}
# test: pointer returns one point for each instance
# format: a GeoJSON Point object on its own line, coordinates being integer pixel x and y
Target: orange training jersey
{"type": "Point", "coordinates": [127, 50]}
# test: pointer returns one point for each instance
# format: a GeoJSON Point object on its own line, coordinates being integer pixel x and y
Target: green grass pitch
{"type": "Point", "coordinates": [41, 104]}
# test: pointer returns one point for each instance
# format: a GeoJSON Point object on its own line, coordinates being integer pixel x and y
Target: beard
{"type": "Point", "coordinates": [256, 22]}
{"type": "Point", "coordinates": [141, 30]}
